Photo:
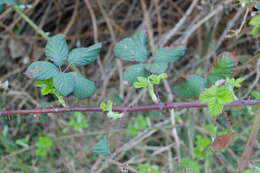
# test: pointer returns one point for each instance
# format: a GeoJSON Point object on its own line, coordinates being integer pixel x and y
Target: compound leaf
{"type": "Point", "coordinates": [222, 69]}
{"type": "Point", "coordinates": [189, 87]}
{"type": "Point", "coordinates": [134, 71]}
{"type": "Point", "coordinates": [215, 107]}
{"type": "Point", "coordinates": [102, 147]}
{"type": "Point", "coordinates": [133, 49]}
{"type": "Point", "coordinates": [41, 70]}
{"type": "Point", "coordinates": [156, 67]}
{"type": "Point", "coordinates": [57, 49]}
{"type": "Point", "coordinates": [84, 56]}
{"type": "Point", "coordinates": [167, 54]}
{"type": "Point", "coordinates": [64, 83]}
{"type": "Point", "coordinates": [82, 87]}
{"type": "Point", "coordinates": [216, 97]}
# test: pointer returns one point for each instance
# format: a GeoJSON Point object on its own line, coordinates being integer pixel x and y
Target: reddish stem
{"type": "Point", "coordinates": [158, 106]}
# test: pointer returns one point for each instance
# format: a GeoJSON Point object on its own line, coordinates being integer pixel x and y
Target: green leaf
{"type": "Point", "coordinates": [141, 82]}
{"type": "Point", "coordinates": [117, 99]}
{"type": "Point", "coordinates": [43, 83]}
{"type": "Point", "coordinates": [156, 78]}
{"type": "Point", "coordinates": [147, 168]}
{"type": "Point", "coordinates": [78, 121]}
{"type": "Point", "coordinates": [189, 87]}
{"type": "Point", "coordinates": [57, 49]}
{"type": "Point", "coordinates": [167, 54]}
{"type": "Point", "coordinates": [102, 147]}
{"type": "Point", "coordinates": [64, 83]}
{"type": "Point", "coordinates": [154, 115]}
{"type": "Point", "coordinates": [106, 106]}
{"type": "Point", "coordinates": [41, 70]}
{"type": "Point", "coordinates": [190, 164]}
{"type": "Point", "coordinates": [103, 107]}
{"type": "Point", "coordinates": [46, 90]}
{"type": "Point", "coordinates": [251, 171]}
{"type": "Point", "coordinates": [23, 142]}
{"type": "Point", "coordinates": [134, 71]}
{"type": "Point", "coordinates": [44, 142]}
{"type": "Point", "coordinates": [140, 122]}
{"type": "Point", "coordinates": [255, 22]}
{"type": "Point", "coordinates": [131, 130]}
{"type": "Point", "coordinates": [232, 83]}
{"type": "Point", "coordinates": [82, 87]}
{"type": "Point", "coordinates": [222, 69]}
{"type": "Point", "coordinates": [114, 115]}
{"type": "Point", "coordinates": [256, 94]}
{"type": "Point", "coordinates": [84, 56]}
{"type": "Point", "coordinates": [41, 152]}
{"type": "Point", "coordinates": [215, 107]}
{"type": "Point", "coordinates": [156, 67]}
{"type": "Point", "coordinates": [133, 49]}
{"type": "Point", "coordinates": [216, 97]}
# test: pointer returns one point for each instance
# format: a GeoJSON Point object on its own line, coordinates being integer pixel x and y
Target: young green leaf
{"type": "Point", "coordinates": [106, 106]}
{"type": "Point", "coordinates": [133, 49]}
{"type": "Point", "coordinates": [102, 147]}
{"type": "Point", "coordinates": [64, 83]}
{"type": "Point", "coordinates": [156, 78]}
{"type": "Point", "coordinates": [44, 142]}
{"type": "Point", "coordinates": [156, 67]}
{"type": "Point", "coordinates": [167, 54]}
{"type": "Point", "coordinates": [222, 69]}
{"type": "Point", "coordinates": [255, 22]}
{"type": "Point", "coordinates": [57, 49]}
{"type": "Point", "coordinates": [84, 56]}
{"type": "Point", "coordinates": [78, 121]}
{"type": "Point", "coordinates": [114, 115]}
{"type": "Point", "coordinates": [41, 70]}
{"type": "Point", "coordinates": [138, 123]}
{"type": "Point", "coordinates": [256, 94]}
{"type": "Point", "coordinates": [134, 71]}
{"type": "Point", "coordinates": [43, 83]}
{"type": "Point", "coordinates": [216, 97]}
{"type": "Point", "coordinates": [189, 87]}
{"type": "Point", "coordinates": [141, 82]}
{"type": "Point", "coordinates": [147, 168]}
{"type": "Point", "coordinates": [192, 165]}
{"type": "Point", "coordinates": [82, 87]}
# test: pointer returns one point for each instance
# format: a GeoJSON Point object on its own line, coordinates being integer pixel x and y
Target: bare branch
{"type": "Point", "coordinates": [158, 106]}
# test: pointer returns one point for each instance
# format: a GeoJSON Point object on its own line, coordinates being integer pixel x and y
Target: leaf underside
{"type": "Point", "coordinates": [64, 83]}
{"type": "Point", "coordinates": [84, 56]}
{"type": "Point", "coordinates": [41, 70]}
{"type": "Point", "coordinates": [134, 71]}
{"type": "Point", "coordinates": [57, 49]}
{"type": "Point", "coordinates": [102, 147]}
{"type": "Point", "coordinates": [133, 49]}
{"type": "Point", "coordinates": [83, 87]}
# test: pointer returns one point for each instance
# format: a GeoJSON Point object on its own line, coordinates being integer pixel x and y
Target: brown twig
{"type": "Point", "coordinates": [158, 106]}
{"type": "Point", "coordinates": [245, 157]}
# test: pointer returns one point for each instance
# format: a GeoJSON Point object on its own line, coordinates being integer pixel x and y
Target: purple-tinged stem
{"type": "Point", "coordinates": [158, 106]}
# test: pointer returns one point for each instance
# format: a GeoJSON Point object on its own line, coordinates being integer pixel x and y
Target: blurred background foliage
{"type": "Point", "coordinates": [149, 141]}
